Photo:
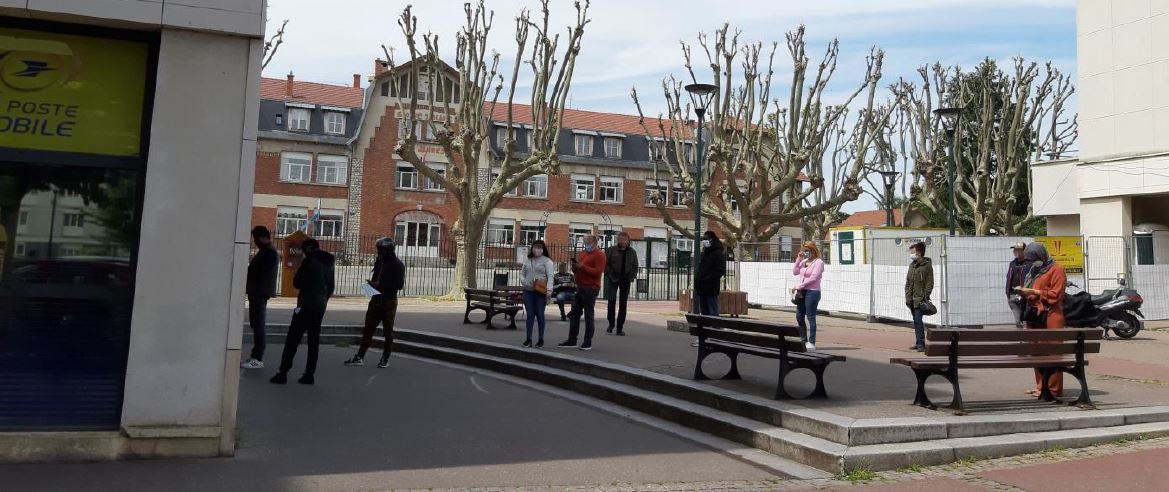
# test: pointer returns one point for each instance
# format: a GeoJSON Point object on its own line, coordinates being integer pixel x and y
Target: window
{"type": "Point", "coordinates": [584, 145]}
{"type": "Point", "coordinates": [334, 123]}
{"type": "Point", "coordinates": [659, 188]}
{"type": "Point", "coordinates": [678, 197]}
{"type": "Point", "coordinates": [500, 137]}
{"type": "Point", "coordinates": [295, 167]}
{"type": "Point", "coordinates": [432, 185]}
{"type": "Point", "coordinates": [20, 249]}
{"type": "Point", "coordinates": [681, 243]}
{"type": "Point", "coordinates": [290, 219]}
{"type": "Point", "coordinates": [530, 231]}
{"type": "Point", "coordinates": [583, 187]}
{"type": "Point", "coordinates": [331, 224]}
{"type": "Point", "coordinates": [331, 169]}
{"type": "Point", "coordinates": [73, 220]}
{"type": "Point", "coordinates": [298, 119]}
{"type": "Point", "coordinates": [500, 232]}
{"type": "Point", "coordinates": [407, 176]}
{"type": "Point", "coordinates": [529, 134]}
{"type": "Point", "coordinates": [385, 89]}
{"type": "Point", "coordinates": [536, 186]}
{"type": "Point", "coordinates": [688, 149]}
{"type": "Point", "coordinates": [422, 129]}
{"type": "Point", "coordinates": [607, 235]}
{"type": "Point", "coordinates": [613, 147]}
{"type": "Point", "coordinates": [612, 189]}
{"type": "Point", "coordinates": [577, 232]}
{"type": "Point", "coordinates": [657, 150]}
{"type": "Point", "coordinates": [511, 192]}
{"type": "Point", "coordinates": [22, 219]}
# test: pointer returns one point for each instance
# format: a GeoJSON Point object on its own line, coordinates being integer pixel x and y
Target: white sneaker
{"type": "Point", "coordinates": [252, 364]}
{"type": "Point", "coordinates": [810, 347]}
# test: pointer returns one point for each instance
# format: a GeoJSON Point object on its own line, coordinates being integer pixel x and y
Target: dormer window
{"type": "Point", "coordinates": [334, 123]}
{"type": "Point", "coordinates": [298, 119]}
{"type": "Point", "coordinates": [613, 147]}
{"type": "Point", "coordinates": [584, 145]}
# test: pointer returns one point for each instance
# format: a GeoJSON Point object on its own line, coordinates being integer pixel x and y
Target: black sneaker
{"type": "Point", "coordinates": [620, 333]}
{"type": "Point", "coordinates": [527, 343]}
{"type": "Point", "coordinates": [307, 379]}
{"type": "Point", "coordinates": [917, 348]}
{"type": "Point", "coordinates": [564, 318]}
{"type": "Point", "coordinates": [357, 360]}
{"type": "Point", "coordinates": [384, 363]}
{"type": "Point", "coordinates": [609, 329]}
{"type": "Point", "coordinates": [279, 378]}
{"type": "Point", "coordinates": [540, 343]}
{"type": "Point", "coordinates": [567, 344]}
{"type": "Point", "coordinates": [587, 346]}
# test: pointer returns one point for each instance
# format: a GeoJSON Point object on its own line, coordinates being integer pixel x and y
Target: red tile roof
{"type": "Point", "coordinates": [578, 119]}
{"type": "Point", "coordinates": [312, 93]}
{"type": "Point", "coordinates": [875, 218]}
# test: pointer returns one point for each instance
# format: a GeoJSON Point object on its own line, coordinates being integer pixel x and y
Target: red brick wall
{"type": "Point", "coordinates": [268, 180]}
{"type": "Point", "coordinates": [265, 217]}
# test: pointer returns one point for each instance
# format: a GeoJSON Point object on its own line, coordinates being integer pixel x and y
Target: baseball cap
{"type": "Point", "coordinates": [1019, 245]}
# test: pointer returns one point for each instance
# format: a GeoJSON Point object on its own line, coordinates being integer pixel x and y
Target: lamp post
{"type": "Point", "coordinates": [949, 117]}
{"type": "Point", "coordinates": [700, 96]}
{"type": "Point", "coordinates": [890, 178]}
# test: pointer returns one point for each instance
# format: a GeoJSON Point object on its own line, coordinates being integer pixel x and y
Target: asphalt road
{"type": "Point", "coordinates": [414, 425]}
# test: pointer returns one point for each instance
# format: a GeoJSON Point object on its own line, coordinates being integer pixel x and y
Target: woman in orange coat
{"type": "Point", "coordinates": [1044, 289]}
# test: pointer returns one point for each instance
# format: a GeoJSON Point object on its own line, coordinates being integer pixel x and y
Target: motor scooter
{"type": "Point", "coordinates": [1118, 310]}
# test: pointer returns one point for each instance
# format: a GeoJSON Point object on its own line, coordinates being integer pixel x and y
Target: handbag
{"type": "Point", "coordinates": [1032, 316]}
{"type": "Point", "coordinates": [927, 308]}
{"type": "Point", "coordinates": [540, 286]}
{"type": "Point", "coordinates": [798, 298]}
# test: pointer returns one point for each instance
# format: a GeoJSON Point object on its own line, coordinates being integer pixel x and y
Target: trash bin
{"type": "Point", "coordinates": [501, 279]}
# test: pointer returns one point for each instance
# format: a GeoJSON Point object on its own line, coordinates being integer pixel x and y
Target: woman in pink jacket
{"type": "Point", "coordinates": [806, 293]}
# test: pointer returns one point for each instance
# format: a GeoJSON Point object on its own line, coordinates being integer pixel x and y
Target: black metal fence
{"type": "Point", "coordinates": [430, 268]}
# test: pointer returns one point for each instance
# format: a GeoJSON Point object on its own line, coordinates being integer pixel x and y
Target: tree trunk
{"type": "Point", "coordinates": [737, 282]}
{"type": "Point", "coordinates": [468, 240]}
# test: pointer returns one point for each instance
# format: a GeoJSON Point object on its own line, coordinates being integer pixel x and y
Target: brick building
{"type": "Point", "coordinates": [302, 154]}
{"type": "Point", "coordinates": [605, 181]}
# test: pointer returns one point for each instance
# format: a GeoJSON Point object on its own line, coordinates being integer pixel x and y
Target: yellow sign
{"type": "Point", "coordinates": [1067, 251]}
{"type": "Point", "coordinates": [69, 93]}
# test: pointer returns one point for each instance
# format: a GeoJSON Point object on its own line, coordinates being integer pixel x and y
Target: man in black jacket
{"type": "Point", "coordinates": [712, 267]}
{"type": "Point", "coordinates": [620, 272]}
{"type": "Point", "coordinates": [314, 280]}
{"type": "Point", "coordinates": [261, 286]}
{"type": "Point", "coordinates": [1017, 272]}
{"type": "Point", "coordinates": [388, 277]}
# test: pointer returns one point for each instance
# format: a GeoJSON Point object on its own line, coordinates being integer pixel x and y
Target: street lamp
{"type": "Point", "coordinates": [949, 117]}
{"type": "Point", "coordinates": [890, 178]}
{"type": "Point", "coordinates": [700, 97]}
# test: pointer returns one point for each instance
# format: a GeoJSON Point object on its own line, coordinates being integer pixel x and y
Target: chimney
{"type": "Point", "coordinates": [288, 85]}
{"type": "Point", "coordinates": [356, 81]}
{"type": "Point", "coordinates": [379, 66]}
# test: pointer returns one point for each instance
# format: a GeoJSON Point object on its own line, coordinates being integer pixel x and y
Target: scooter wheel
{"type": "Point", "coordinates": [1127, 325]}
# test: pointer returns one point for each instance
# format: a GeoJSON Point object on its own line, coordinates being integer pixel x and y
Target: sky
{"type": "Point", "coordinates": [636, 43]}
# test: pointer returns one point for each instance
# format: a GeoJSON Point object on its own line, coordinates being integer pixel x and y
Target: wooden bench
{"type": "Point", "coordinates": [501, 300]}
{"type": "Point", "coordinates": [1049, 351]}
{"type": "Point", "coordinates": [775, 341]}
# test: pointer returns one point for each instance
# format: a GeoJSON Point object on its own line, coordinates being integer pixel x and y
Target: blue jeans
{"type": "Point", "coordinates": [808, 309]}
{"type": "Point", "coordinates": [562, 298]}
{"type": "Point", "coordinates": [918, 328]}
{"type": "Point", "coordinates": [534, 304]}
{"type": "Point", "coordinates": [708, 304]}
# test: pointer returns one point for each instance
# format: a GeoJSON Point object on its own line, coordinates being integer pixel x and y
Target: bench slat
{"type": "Point", "coordinates": [1013, 335]}
{"type": "Point", "coordinates": [765, 341]}
{"type": "Point", "coordinates": [809, 357]}
{"type": "Point", "coordinates": [985, 349]}
{"type": "Point", "coordinates": [738, 324]}
{"type": "Point", "coordinates": [986, 363]}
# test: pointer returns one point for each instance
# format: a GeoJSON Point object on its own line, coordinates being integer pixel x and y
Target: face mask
{"type": "Point", "coordinates": [913, 256]}
{"type": "Point", "coordinates": [588, 248]}
{"type": "Point", "coordinates": [705, 243]}
{"type": "Point", "coordinates": [538, 251]}
{"type": "Point", "coordinates": [807, 254]}
{"type": "Point", "coordinates": [1037, 264]}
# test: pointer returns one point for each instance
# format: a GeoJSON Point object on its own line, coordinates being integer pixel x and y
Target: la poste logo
{"type": "Point", "coordinates": [33, 65]}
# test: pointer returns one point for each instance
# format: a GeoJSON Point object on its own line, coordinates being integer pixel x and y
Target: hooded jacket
{"type": "Point", "coordinates": [712, 266]}
{"type": "Point", "coordinates": [389, 275]}
{"type": "Point", "coordinates": [919, 282]}
{"type": "Point", "coordinates": [262, 270]}
{"type": "Point", "coordinates": [314, 280]}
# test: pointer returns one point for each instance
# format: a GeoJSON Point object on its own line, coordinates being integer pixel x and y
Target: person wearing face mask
{"type": "Point", "coordinates": [388, 277]}
{"type": "Point", "coordinates": [1017, 271]}
{"type": "Point", "coordinates": [587, 268]}
{"type": "Point", "coordinates": [808, 271]}
{"type": "Point", "coordinates": [620, 271]}
{"type": "Point", "coordinates": [537, 269]}
{"type": "Point", "coordinates": [712, 266]}
{"type": "Point", "coordinates": [1044, 290]}
{"type": "Point", "coordinates": [919, 283]}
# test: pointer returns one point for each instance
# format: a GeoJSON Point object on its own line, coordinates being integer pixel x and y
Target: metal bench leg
{"type": "Point", "coordinates": [921, 399]}
{"type": "Point", "coordinates": [819, 392]}
{"type": "Point", "coordinates": [490, 315]}
{"type": "Point", "coordinates": [511, 317]}
{"type": "Point", "coordinates": [780, 391]}
{"type": "Point", "coordinates": [1084, 402]}
{"type": "Point", "coordinates": [951, 374]}
{"type": "Point", "coordinates": [734, 372]}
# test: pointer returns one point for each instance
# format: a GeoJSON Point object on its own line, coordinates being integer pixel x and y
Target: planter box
{"type": "Point", "coordinates": [729, 302]}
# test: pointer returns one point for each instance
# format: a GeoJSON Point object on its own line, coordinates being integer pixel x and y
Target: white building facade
{"type": "Point", "coordinates": [127, 156]}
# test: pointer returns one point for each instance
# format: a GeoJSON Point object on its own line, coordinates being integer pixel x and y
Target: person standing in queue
{"type": "Point", "coordinates": [919, 283]}
{"type": "Point", "coordinates": [588, 269]}
{"type": "Point", "coordinates": [314, 280]}
{"type": "Point", "coordinates": [261, 286]}
{"type": "Point", "coordinates": [712, 267]}
{"type": "Point", "coordinates": [620, 272]}
{"type": "Point", "coordinates": [536, 277]}
{"type": "Point", "coordinates": [809, 269]}
{"type": "Point", "coordinates": [388, 277]}
{"type": "Point", "coordinates": [564, 289]}
{"type": "Point", "coordinates": [1017, 272]}
{"type": "Point", "coordinates": [1044, 290]}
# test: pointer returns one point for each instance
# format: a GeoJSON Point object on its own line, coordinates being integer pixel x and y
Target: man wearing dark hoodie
{"type": "Point", "coordinates": [712, 267]}
{"type": "Point", "coordinates": [919, 283]}
{"type": "Point", "coordinates": [388, 277]}
{"type": "Point", "coordinates": [314, 280]}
